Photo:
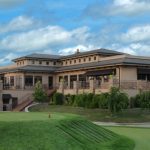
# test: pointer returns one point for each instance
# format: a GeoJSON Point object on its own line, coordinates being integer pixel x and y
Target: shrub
{"type": "Point", "coordinates": [88, 100]}
{"type": "Point", "coordinates": [145, 100]}
{"type": "Point", "coordinates": [117, 100]}
{"type": "Point", "coordinates": [58, 99]}
{"type": "Point", "coordinates": [39, 94]}
{"type": "Point", "coordinates": [70, 99]}
{"type": "Point", "coordinates": [80, 100]}
{"type": "Point", "coordinates": [135, 101]}
{"type": "Point", "coordinates": [95, 101]}
{"type": "Point", "coordinates": [103, 100]}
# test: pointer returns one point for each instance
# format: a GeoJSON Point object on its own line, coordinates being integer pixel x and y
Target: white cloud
{"type": "Point", "coordinates": [130, 7]}
{"type": "Point", "coordinates": [118, 7]}
{"type": "Point", "coordinates": [136, 34]}
{"type": "Point", "coordinates": [43, 38]}
{"type": "Point", "coordinates": [8, 58]}
{"type": "Point", "coordinates": [72, 50]}
{"type": "Point", "coordinates": [18, 23]}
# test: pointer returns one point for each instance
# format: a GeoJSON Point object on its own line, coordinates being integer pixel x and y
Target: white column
{"type": "Point", "coordinates": [33, 81]}
{"type": "Point", "coordinates": [69, 81]}
{"type": "Point", "coordinates": [23, 81]}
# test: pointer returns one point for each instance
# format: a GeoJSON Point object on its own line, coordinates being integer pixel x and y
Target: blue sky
{"type": "Point", "coordinates": [62, 26]}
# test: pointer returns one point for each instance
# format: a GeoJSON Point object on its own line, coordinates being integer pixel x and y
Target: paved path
{"type": "Point", "coordinates": [141, 125]}
{"type": "Point", "coordinates": [27, 108]}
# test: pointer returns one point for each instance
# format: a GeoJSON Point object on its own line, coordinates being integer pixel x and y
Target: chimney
{"type": "Point", "coordinates": [78, 51]}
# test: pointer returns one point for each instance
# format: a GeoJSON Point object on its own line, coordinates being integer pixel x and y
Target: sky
{"type": "Point", "coordinates": [63, 26]}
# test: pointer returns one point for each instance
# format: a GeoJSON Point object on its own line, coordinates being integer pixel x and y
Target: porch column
{"type": "Point", "coordinates": [1, 86]}
{"type": "Point", "coordinates": [34, 81]}
{"type": "Point", "coordinates": [69, 81]}
{"type": "Point", "coordinates": [1, 103]}
{"type": "Point", "coordinates": [75, 86]}
{"type": "Point", "coordinates": [92, 86]}
{"type": "Point", "coordinates": [23, 81]}
{"type": "Point", "coordinates": [15, 82]}
{"type": "Point", "coordinates": [61, 87]}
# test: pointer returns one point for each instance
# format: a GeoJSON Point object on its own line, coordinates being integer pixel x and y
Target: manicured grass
{"type": "Point", "coordinates": [129, 115]}
{"type": "Point", "coordinates": [36, 131]}
{"type": "Point", "coordinates": [141, 136]}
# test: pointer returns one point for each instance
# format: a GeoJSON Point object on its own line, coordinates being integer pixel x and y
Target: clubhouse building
{"type": "Point", "coordinates": [83, 72]}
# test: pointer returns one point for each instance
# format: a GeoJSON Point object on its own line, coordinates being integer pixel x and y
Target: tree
{"type": "Point", "coordinates": [39, 94]}
{"type": "Point", "coordinates": [117, 100]}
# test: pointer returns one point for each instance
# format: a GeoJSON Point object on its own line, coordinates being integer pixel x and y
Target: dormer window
{"type": "Point", "coordinates": [33, 62]}
{"type": "Point", "coordinates": [47, 63]}
{"type": "Point", "coordinates": [54, 62]}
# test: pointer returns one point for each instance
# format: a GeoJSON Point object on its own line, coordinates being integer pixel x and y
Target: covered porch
{"type": "Point", "coordinates": [26, 81]}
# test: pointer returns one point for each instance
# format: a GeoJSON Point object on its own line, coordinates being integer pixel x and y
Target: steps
{"type": "Point", "coordinates": [51, 92]}
{"type": "Point", "coordinates": [24, 104]}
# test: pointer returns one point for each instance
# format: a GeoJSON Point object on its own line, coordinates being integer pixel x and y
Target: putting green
{"type": "Point", "coordinates": [141, 136]}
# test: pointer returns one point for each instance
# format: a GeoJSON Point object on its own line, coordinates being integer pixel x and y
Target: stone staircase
{"type": "Point", "coordinates": [27, 101]}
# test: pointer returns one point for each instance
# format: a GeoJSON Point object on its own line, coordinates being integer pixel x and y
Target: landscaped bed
{"type": "Point", "coordinates": [55, 131]}
{"type": "Point", "coordinates": [126, 116]}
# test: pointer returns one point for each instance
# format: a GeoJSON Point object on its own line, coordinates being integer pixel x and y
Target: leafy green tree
{"type": "Point", "coordinates": [39, 94]}
{"type": "Point", "coordinates": [117, 100]}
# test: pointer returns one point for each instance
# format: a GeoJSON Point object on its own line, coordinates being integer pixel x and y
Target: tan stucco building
{"type": "Point", "coordinates": [83, 72]}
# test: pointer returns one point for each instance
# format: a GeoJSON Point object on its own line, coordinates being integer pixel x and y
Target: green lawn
{"type": "Point", "coordinates": [141, 136]}
{"type": "Point", "coordinates": [36, 131]}
{"type": "Point", "coordinates": [129, 115]}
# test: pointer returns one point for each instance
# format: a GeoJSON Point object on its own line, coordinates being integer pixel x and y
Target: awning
{"type": "Point", "coordinates": [101, 72]}
{"type": "Point", "coordinates": [143, 71]}
{"type": "Point", "coordinates": [6, 96]}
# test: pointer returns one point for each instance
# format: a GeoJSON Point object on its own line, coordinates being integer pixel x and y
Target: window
{"type": "Point", "coordinates": [79, 60]}
{"type": "Point", "coordinates": [89, 58]}
{"type": "Point", "coordinates": [94, 57]}
{"type": "Point", "coordinates": [23, 62]}
{"type": "Point", "coordinates": [54, 63]}
{"type": "Point", "coordinates": [60, 78]}
{"type": "Point", "coordinates": [66, 62]}
{"type": "Point", "coordinates": [141, 76]}
{"type": "Point", "coordinates": [75, 61]}
{"type": "Point", "coordinates": [28, 80]}
{"type": "Point", "coordinates": [11, 80]}
{"type": "Point", "coordinates": [37, 78]}
{"type": "Point", "coordinates": [106, 78]}
{"type": "Point", "coordinates": [47, 63]}
{"type": "Point", "coordinates": [70, 62]}
{"type": "Point", "coordinates": [84, 59]}
{"type": "Point", "coordinates": [40, 62]}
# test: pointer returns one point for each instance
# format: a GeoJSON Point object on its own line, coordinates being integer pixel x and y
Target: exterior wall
{"type": "Point", "coordinates": [36, 63]}
{"type": "Point", "coordinates": [22, 95]}
{"type": "Point", "coordinates": [85, 59]}
{"type": "Point", "coordinates": [128, 73]}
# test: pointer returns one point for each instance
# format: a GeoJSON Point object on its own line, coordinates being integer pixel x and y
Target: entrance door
{"type": "Point", "coordinates": [50, 82]}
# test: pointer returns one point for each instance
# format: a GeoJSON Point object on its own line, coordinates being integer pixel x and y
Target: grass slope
{"type": "Point", "coordinates": [141, 136]}
{"type": "Point", "coordinates": [129, 115]}
{"type": "Point", "coordinates": [36, 131]}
